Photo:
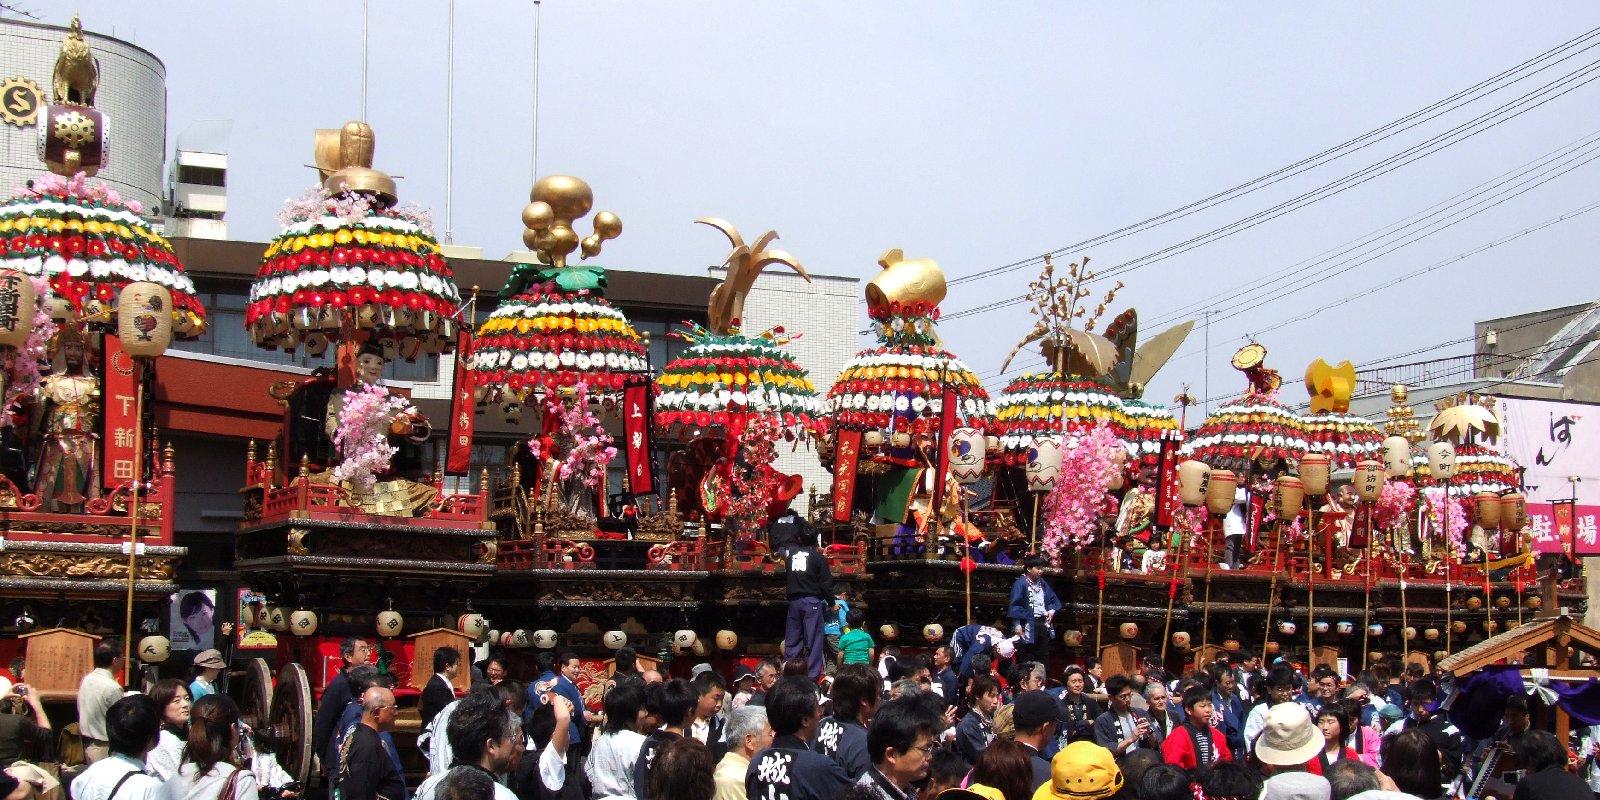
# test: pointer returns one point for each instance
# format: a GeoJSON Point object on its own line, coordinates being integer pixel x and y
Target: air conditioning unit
{"type": "Point", "coordinates": [1491, 338]}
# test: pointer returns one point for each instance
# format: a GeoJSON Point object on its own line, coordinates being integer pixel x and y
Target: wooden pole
{"type": "Point", "coordinates": [133, 519]}
{"type": "Point", "coordinates": [1272, 590]}
{"type": "Point", "coordinates": [1033, 544]}
{"type": "Point", "coordinates": [1366, 613]}
{"type": "Point", "coordinates": [1172, 592]}
{"type": "Point", "coordinates": [1311, 583]}
{"type": "Point", "coordinates": [1205, 612]}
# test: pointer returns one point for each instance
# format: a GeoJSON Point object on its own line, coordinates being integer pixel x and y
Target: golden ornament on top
{"type": "Point", "coordinates": [744, 264]}
{"type": "Point", "coordinates": [556, 202]}
{"type": "Point", "coordinates": [1066, 349]}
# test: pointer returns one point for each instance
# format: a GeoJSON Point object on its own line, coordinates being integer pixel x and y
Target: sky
{"type": "Point", "coordinates": [976, 134]}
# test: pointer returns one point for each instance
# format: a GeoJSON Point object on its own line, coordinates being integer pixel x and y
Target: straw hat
{"type": "Point", "coordinates": [1288, 737]}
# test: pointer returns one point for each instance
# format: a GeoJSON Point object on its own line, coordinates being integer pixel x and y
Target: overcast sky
{"type": "Point", "coordinates": [977, 134]}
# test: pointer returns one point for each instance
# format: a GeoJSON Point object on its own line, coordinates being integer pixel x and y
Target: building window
{"type": "Point", "coordinates": [202, 176]}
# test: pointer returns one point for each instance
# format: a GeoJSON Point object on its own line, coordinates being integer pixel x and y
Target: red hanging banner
{"type": "Point", "coordinates": [636, 424]}
{"type": "Point", "coordinates": [121, 414]}
{"type": "Point", "coordinates": [947, 426]}
{"type": "Point", "coordinates": [844, 473]}
{"type": "Point", "coordinates": [458, 460]}
{"type": "Point", "coordinates": [1167, 497]}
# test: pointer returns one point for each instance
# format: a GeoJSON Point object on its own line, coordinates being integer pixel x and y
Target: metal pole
{"type": "Point", "coordinates": [1207, 401]}
{"type": "Point", "coordinates": [449, 123]}
{"type": "Point", "coordinates": [364, 32]}
{"type": "Point", "coordinates": [534, 156]}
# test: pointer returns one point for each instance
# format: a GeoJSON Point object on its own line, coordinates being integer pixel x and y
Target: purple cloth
{"type": "Point", "coordinates": [1480, 703]}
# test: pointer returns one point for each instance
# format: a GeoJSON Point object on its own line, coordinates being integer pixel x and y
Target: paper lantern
{"type": "Point", "coordinates": [16, 292]}
{"type": "Point", "coordinates": [684, 638]}
{"type": "Point", "coordinates": [1490, 626]}
{"type": "Point", "coordinates": [1375, 630]}
{"type": "Point", "coordinates": [390, 623]}
{"type": "Point", "coordinates": [991, 444]}
{"type": "Point", "coordinates": [1458, 627]}
{"type": "Point", "coordinates": [1410, 633]}
{"type": "Point", "coordinates": [1442, 460]}
{"type": "Point", "coordinates": [1534, 602]}
{"type": "Point", "coordinates": [1439, 655]}
{"type": "Point", "coordinates": [1180, 640]}
{"type": "Point", "coordinates": [872, 438]}
{"type": "Point", "coordinates": [248, 617]}
{"type": "Point", "coordinates": [494, 636]}
{"type": "Point", "coordinates": [154, 649]}
{"type": "Point", "coordinates": [1503, 601]}
{"type": "Point", "coordinates": [900, 439]}
{"type": "Point", "coordinates": [1431, 634]}
{"type": "Point", "coordinates": [1487, 510]}
{"type": "Point", "coordinates": [1194, 480]}
{"type": "Point", "coordinates": [505, 638]}
{"type": "Point", "coordinates": [1272, 648]}
{"type": "Point", "coordinates": [1287, 627]}
{"type": "Point", "coordinates": [614, 640]}
{"type": "Point", "coordinates": [890, 631]}
{"type": "Point", "coordinates": [1319, 627]}
{"type": "Point", "coordinates": [521, 637]}
{"type": "Point", "coordinates": [278, 619]}
{"type": "Point", "coordinates": [1474, 603]}
{"type": "Point", "coordinates": [967, 451]}
{"type": "Point", "coordinates": [1345, 628]}
{"type": "Point", "coordinates": [1232, 645]}
{"type": "Point", "coordinates": [473, 625]}
{"type": "Point", "coordinates": [1513, 512]}
{"type": "Point", "coordinates": [144, 319]}
{"type": "Point", "coordinates": [1072, 638]}
{"type": "Point", "coordinates": [1219, 492]}
{"type": "Point", "coordinates": [1369, 480]}
{"type": "Point", "coordinates": [1044, 463]}
{"type": "Point", "coordinates": [303, 622]}
{"type": "Point", "coordinates": [699, 647]}
{"type": "Point", "coordinates": [1129, 630]}
{"type": "Point", "coordinates": [727, 640]}
{"type": "Point", "coordinates": [544, 639]}
{"type": "Point", "coordinates": [933, 631]}
{"type": "Point", "coordinates": [1314, 472]}
{"type": "Point", "coordinates": [1397, 456]}
{"type": "Point", "coordinates": [1290, 497]}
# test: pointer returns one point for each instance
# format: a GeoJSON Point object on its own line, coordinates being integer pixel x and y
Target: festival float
{"type": "Point", "coordinates": [90, 298]}
{"type": "Point", "coordinates": [346, 527]}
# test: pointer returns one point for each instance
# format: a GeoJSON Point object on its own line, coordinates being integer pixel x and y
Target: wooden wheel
{"type": "Point", "coordinates": [291, 720]}
{"type": "Point", "coordinates": [253, 692]}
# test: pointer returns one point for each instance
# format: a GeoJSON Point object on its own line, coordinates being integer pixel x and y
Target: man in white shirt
{"type": "Point", "coordinates": [485, 736]}
{"type": "Point", "coordinates": [133, 724]}
{"type": "Point", "coordinates": [97, 692]}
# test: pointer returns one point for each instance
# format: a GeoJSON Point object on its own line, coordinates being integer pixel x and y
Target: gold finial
{"type": "Point", "coordinates": [168, 463]}
{"type": "Point", "coordinates": [906, 281]}
{"type": "Point", "coordinates": [1465, 417]}
{"type": "Point", "coordinates": [344, 159]}
{"type": "Point", "coordinates": [77, 71]}
{"type": "Point", "coordinates": [557, 202]}
{"type": "Point", "coordinates": [1055, 304]}
{"type": "Point", "coordinates": [1399, 393]}
{"type": "Point", "coordinates": [1330, 386]}
{"type": "Point", "coordinates": [672, 502]}
{"type": "Point", "coordinates": [516, 474]}
{"type": "Point", "coordinates": [483, 481]}
{"type": "Point", "coordinates": [272, 457]}
{"type": "Point", "coordinates": [305, 466]}
{"type": "Point", "coordinates": [744, 263]}
{"type": "Point", "coordinates": [250, 452]}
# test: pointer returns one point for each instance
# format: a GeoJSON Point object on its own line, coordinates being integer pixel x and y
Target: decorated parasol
{"type": "Point", "coordinates": [1253, 428]}
{"type": "Point", "coordinates": [1331, 429]}
{"type": "Point", "coordinates": [1470, 424]}
{"type": "Point", "coordinates": [554, 328]}
{"type": "Point", "coordinates": [351, 266]}
{"type": "Point", "coordinates": [78, 234]}
{"type": "Point", "coordinates": [904, 376]}
{"type": "Point", "coordinates": [725, 378]}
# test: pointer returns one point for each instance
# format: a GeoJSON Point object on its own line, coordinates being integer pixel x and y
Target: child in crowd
{"type": "Point", "coordinates": [834, 628]}
{"type": "Point", "coordinates": [856, 646]}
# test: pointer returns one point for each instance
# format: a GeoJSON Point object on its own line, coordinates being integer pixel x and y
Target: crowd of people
{"type": "Point", "coordinates": [962, 722]}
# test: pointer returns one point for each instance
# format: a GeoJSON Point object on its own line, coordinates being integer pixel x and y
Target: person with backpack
{"type": "Point", "coordinates": [133, 725]}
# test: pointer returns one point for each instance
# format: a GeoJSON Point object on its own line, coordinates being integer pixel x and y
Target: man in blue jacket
{"type": "Point", "coordinates": [1033, 610]}
{"type": "Point", "coordinates": [790, 769]}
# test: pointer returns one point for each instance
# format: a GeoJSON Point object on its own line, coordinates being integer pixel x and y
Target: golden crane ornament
{"type": "Point", "coordinates": [744, 264]}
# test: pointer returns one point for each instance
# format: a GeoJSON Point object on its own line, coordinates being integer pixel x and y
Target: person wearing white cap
{"type": "Point", "coordinates": [208, 665]}
{"type": "Point", "coordinates": [1296, 785]}
{"type": "Point", "coordinates": [1288, 738]}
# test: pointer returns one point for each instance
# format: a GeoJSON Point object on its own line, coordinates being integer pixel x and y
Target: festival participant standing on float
{"type": "Point", "coordinates": [810, 586]}
{"type": "Point", "coordinates": [1033, 610]}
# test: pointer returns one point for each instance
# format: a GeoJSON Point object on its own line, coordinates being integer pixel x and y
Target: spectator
{"type": "Point", "coordinates": [440, 690]}
{"type": "Point", "coordinates": [843, 736]}
{"type": "Point", "coordinates": [744, 686]}
{"type": "Point", "coordinates": [17, 731]}
{"type": "Point", "coordinates": [856, 645]}
{"type": "Point", "coordinates": [976, 729]}
{"type": "Point", "coordinates": [361, 679]}
{"type": "Point", "coordinates": [1333, 721]}
{"type": "Point", "coordinates": [1005, 766]}
{"type": "Point", "coordinates": [172, 697]}
{"type": "Point", "coordinates": [1280, 689]}
{"type": "Point", "coordinates": [1288, 738]}
{"type": "Point", "coordinates": [1440, 731]}
{"type": "Point", "coordinates": [483, 734]}
{"type": "Point", "coordinates": [1123, 728]}
{"type": "Point", "coordinates": [210, 769]}
{"type": "Point", "coordinates": [616, 751]}
{"type": "Point", "coordinates": [682, 772]}
{"type": "Point", "coordinates": [973, 640]}
{"type": "Point", "coordinates": [1195, 743]}
{"type": "Point", "coordinates": [134, 726]}
{"type": "Point", "coordinates": [1229, 779]}
{"type": "Point", "coordinates": [208, 666]}
{"type": "Point", "coordinates": [542, 773]}
{"type": "Point", "coordinates": [945, 681]}
{"type": "Point", "coordinates": [946, 770]}
{"type": "Point", "coordinates": [708, 724]}
{"type": "Point", "coordinates": [560, 673]}
{"type": "Point", "coordinates": [1032, 610]}
{"type": "Point", "coordinates": [899, 747]}
{"type": "Point", "coordinates": [1349, 777]}
{"type": "Point", "coordinates": [1165, 782]}
{"type": "Point", "coordinates": [1082, 771]}
{"type": "Point", "coordinates": [1547, 777]}
{"type": "Point", "coordinates": [674, 703]}
{"type": "Point", "coordinates": [809, 585]}
{"type": "Point", "coordinates": [767, 674]}
{"type": "Point", "coordinates": [1296, 786]}
{"type": "Point", "coordinates": [336, 695]}
{"type": "Point", "coordinates": [1027, 676]}
{"type": "Point", "coordinates": [494, 670]}
{"type": "Point", "coordinates": [1227, 705]}
{"type": "Point", "coordinates": [1096, 672]}
{"type": "Point", "coordinates": [1137, 762]}
{"type": "Point", "coordinates": [748, 734]}
{"type": "Point", "coordinates": [366, 768]}
{"type": "Point", "coordinates": [789, 769]}
{"type": "Point", "coordinates": [1034, 716]}
{"type": "Point", "coordinates": [466, 783]}
{"type": "Point", "coordinates": [1078, 711]}
{"type": "Point", "coordinates": [1163, 718]}
{"type": "Point", "coordinates": [97, 692]}
{"type": "Point", "coordinates": [1411, 760]}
